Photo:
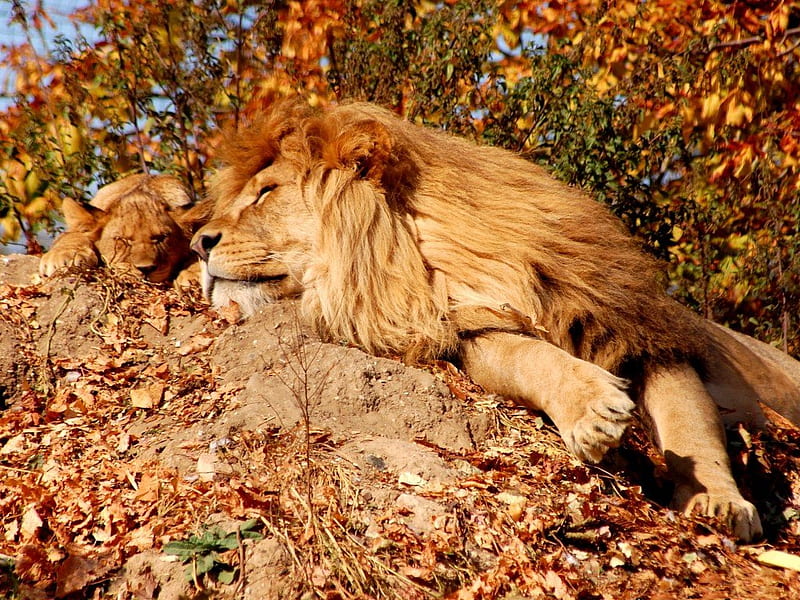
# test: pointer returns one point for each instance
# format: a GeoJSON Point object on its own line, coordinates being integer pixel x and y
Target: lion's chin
{"type": "Point", "coordinates": [248, 295]}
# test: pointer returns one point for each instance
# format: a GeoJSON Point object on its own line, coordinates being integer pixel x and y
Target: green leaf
{"type": "Point", "coordinates": [227, 577]}
{"type": "Point", "coordinates": [184, 549]}
{"type": "Point", "coordinates": [229, 542]}
{"type": "Point", "coordinates": [205, 563]}
{"type": "Point", "coordinates": [248, 525]}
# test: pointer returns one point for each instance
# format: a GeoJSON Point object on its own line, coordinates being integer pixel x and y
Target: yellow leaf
{"type": "Point", "coordinates": [746, 160]}
{"type": "Point", "coordinates": [737, 110]}
{"type": "Point", "coordinates": [32, 184]}
{"type": "Point", "coordinates": [710, 106]}
{"type": "Point", "coordinates": [776, 558]}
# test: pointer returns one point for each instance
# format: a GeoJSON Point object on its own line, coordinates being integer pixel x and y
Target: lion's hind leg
{"type": "Point", "coordinates": [588, 404]}
{"type": "Point", "coordinates": [688, 429]}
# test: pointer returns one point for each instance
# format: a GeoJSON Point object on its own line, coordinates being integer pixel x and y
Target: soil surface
{"type": "Point", "coordinates": [151, 447]}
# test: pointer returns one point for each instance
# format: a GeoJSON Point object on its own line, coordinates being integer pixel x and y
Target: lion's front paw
{"type": "Point", "coordinates": [607, 413]}
{"type": "Point", "coordinates": [188, 278]}
{"type": "Point", "coordinates": [738, 515]}
{"type": "Point", "coordinates": [58, 258]}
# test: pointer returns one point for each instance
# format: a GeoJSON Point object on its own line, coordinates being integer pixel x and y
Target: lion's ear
{"type": "Point", "coordinates": [171, 191]}
{"type": "Point", "coordinates": [364, 147]}
{"type": "Point", "coordinates": [80, 217]}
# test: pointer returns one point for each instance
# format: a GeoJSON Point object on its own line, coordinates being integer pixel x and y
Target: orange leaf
{"type": "Point", "coordinates": [147, 490]}
{"type": "Point", "coordinates": [147, 397]}
{"type": "Point", "coordinates": [199, 342]}
{"type": "Point", "coordinates": [31, 523]}
{"type": "Point", "coordinates": [76, 573]}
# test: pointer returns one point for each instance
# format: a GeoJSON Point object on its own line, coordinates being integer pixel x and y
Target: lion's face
{"type": "Point", "coordinates": [255, 248]}
{"type": "Point", "coordinates": [319, 222]}
{"type": "Point", "coordinates": [152, 242]}
{"type": "Point", "coordinates": [140, 220]}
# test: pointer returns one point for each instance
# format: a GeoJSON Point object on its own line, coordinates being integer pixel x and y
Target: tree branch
{"type": "Point", "coordinates": [752, 40]}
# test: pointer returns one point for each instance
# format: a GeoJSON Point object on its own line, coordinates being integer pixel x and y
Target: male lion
{"type": "Point", "coordinates": [403, 239]}
{"type": "Point", "coordinates": [137, 220]}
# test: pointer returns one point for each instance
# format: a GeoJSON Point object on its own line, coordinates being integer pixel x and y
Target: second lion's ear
{"type": "Point", "coordinates": [81, 217]}
{"type": "Point", "coordinates": [171, 191]}
{"type": "Point", "coordinates": [365, 147]}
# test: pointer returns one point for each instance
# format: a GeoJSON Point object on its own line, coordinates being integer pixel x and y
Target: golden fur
{"type": "Point", "coordinates": [138, 220]}
{"type": "Point", "coordinates": [406, 240]}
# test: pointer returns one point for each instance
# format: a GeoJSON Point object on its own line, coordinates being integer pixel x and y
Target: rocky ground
{"type": "Point", "coordinates": [153, 448]}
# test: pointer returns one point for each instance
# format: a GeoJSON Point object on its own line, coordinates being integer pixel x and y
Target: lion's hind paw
{"type": "Point", "coordinates": [738, 515]}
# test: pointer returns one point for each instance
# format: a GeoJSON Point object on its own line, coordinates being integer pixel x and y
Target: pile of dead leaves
{"type": "Point", "coordinates": [105, 369]}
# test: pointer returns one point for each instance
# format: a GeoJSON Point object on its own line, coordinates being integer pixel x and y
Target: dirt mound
{"type": "Point", "coordinates": [153, 448]}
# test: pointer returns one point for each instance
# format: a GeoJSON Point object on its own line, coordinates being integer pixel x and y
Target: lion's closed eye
{"type": "Point", "coordinates": [264, 191]}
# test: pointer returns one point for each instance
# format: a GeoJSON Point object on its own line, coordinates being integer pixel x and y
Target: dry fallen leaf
{"type": "Point", "coordinates": [417, 572]}
{"type": "Point", "coordinates": [147, 397]}
{"type": "Point", "coordinates": [31, 523]}
{"type": "Point", "coordinates": [11, 529]}
{"type": "Point", "coordinates": [76, 573]}
{"type": "Point", "coordinates": [516, 504]}
{"type": "Point", "coordinates": [411, 479]}
{"type": "Point", "coordinates": [142, 538]}
{"type": "Point", "coordinates": [196, 343]}
{"type": "Point", "coordinates": [124, 443]}
{"type": "Point", "coordinates": [14, 445]}
{"type": "Point", "coordinates": [557, 585]}
{"type": "Point", "coordinates": [157, 317]}
{"type": "Point", "coordinates": [231, 312]}
{"type": "Point", "coordinates": [147, 491]}
{"type": "Point", "coordinates": [616, 561]}
{"type": "Point", "coordinates": [206, 466]}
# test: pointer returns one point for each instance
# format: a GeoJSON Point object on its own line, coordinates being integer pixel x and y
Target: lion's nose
{"type": "Point", "coordinates": [202, 243]}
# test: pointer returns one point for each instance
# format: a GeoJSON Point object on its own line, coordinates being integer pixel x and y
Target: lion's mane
{"type": "Point", "coordinates": [252, 145]}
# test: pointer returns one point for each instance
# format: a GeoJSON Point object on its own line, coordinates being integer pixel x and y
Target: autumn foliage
{"type": "Point", "coordinates": [682, 116]}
